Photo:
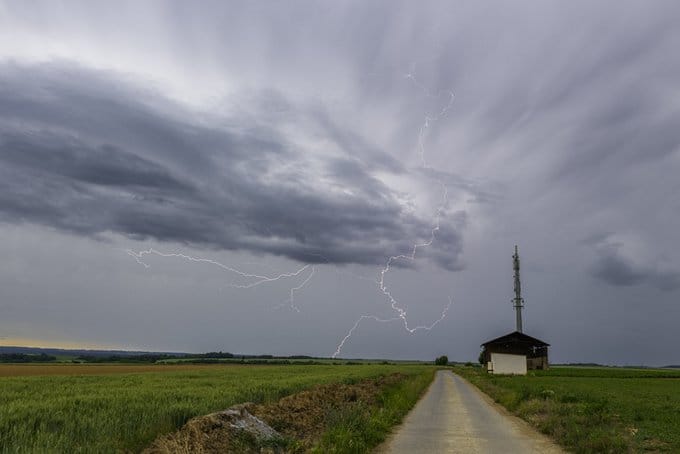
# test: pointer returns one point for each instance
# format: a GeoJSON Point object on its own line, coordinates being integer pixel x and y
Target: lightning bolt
{"type": "Point", "coordinates": [394, 304]}
{"type": "Point", "coordinates": [356, 325]}
{"type": "Point", "coordinates": [387, 320]}
{"type": "Point", "coordinates": [411, 257]}
{"type": "Point", "coordinates": [291, 299]}
{"type": "Point", "coordinates": [258, 279]}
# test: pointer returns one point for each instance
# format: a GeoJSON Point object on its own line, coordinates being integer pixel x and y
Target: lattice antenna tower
{"type": "Point", "coordinates": [518, 301]}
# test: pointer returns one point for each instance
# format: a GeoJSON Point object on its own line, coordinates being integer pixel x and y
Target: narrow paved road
{"type": "Point", "coordinates": [454, 417]}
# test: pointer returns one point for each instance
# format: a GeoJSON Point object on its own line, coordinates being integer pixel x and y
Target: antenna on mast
{"type": "Point", "coordinates": [518, 300]}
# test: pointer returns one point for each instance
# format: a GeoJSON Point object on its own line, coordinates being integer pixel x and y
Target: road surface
{"type": "Point", "coordinates": [455, 417]}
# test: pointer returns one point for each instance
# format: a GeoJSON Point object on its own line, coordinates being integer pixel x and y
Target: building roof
{"type": "Point", "coordinates": [516, 336]}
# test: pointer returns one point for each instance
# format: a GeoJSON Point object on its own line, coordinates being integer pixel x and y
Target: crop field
{"type": "Point", "coordinates": [24, 370]}
{"type": "Point", "coordinates": [593, 409]}
{"type": "Point", "coordinates": [127, 407]}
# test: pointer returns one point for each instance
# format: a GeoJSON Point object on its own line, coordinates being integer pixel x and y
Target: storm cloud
{"type": "Point", "coordinates": [88, 154]}
{"type": "Point", "coordinates": [614, 268]}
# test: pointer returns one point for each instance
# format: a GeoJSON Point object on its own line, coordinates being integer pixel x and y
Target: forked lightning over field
{"type": "Point", "coordinates": [349, 226]}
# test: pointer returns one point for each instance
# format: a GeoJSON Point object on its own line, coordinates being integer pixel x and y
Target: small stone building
{"type": "Point", "coordinates": [534, 350]}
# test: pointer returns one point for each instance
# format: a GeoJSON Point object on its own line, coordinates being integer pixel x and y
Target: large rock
{"type": "Point", "coordinates": [218, 433]}
{"type": "Point", "coordinates": [239, 418]}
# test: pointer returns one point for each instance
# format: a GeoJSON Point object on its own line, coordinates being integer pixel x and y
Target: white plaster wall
{"type": "Point", "coordinates": [503, 363]}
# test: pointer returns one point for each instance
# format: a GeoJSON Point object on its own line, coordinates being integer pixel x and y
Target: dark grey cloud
{"type": "Point", "coordinates": [86, 153]}
{"type": "Point", "coordinates": [613, 268]}
{"type": "Point", "coordinates": [449, 242]}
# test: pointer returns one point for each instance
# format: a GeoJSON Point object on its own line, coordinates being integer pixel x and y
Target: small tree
{"type": "Point", "coordinates": [441, 361]}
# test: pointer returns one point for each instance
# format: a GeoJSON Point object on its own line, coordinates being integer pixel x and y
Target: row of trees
{"type": "Point", "coordinates": [26, 358]}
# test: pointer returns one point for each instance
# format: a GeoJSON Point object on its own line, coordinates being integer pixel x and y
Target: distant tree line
{"type": "Point", "coordinates": [214, 355]}
{"type": "Point", "coordinates": [198, 358]}
{"type": "Point", "coordinates": [26, 358]}
{"type": "Point", "coordinates": [246, 360]}
{"type": "Point", "coordinates": [145, 358]}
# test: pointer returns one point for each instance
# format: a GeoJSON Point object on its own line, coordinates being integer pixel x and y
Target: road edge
{"type": "Point", "coordinates": [382, 447]}
{"type": "Point", "coordinates": [522, 425]}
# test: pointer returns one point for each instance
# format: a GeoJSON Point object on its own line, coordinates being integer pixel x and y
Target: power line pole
{"type": "Point", "coordinates": [518, 300]}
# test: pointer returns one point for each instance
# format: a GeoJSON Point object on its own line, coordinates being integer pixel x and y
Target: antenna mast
{"type": "Point", "coordinates": [518, 300]}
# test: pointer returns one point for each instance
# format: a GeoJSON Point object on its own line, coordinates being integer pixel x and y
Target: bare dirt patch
{"type": "Point", "coordinates": [299, 421]}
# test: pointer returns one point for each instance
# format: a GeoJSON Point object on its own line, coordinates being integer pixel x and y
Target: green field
{"type": "Point", "coordinates": [125, 412]}
{"type": "Point", "coordinates": [593, 409]}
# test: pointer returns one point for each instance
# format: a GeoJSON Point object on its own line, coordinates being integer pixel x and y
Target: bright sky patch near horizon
{"type": "Point", "coordinates": [272, 136]}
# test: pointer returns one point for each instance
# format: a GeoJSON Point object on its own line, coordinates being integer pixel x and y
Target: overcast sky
{"type": "Point", "coordinates": [236, 176]}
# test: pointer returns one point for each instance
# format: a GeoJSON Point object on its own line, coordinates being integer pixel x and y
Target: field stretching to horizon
{"type": "Point", "coordinates": [114, 408]}
{"type": "Point", "coordinates": [593, 409]}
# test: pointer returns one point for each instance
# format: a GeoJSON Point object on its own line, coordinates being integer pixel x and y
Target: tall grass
{"type": "Point", "coordinates": [363, 427]}
{"type": "Point", "coordinates": [593, 409]}
{"type": "Point", "coordinates": [125, 412]}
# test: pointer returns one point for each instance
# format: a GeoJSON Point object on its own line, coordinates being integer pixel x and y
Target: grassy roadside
{"type": "Point", "coordinates": [350, 417]}
{"type": "Point", "coordinates": [593, 410]}
{"type": "Point", "coordinates": [363, 427]}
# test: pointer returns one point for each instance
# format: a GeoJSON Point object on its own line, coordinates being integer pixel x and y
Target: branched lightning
{"type": "Point", "coordinates": [411, 257]}
{"type": "Point", "coordinates": [258, 279]}
{"type": "Point", "coordinates": [291, 298]}
{"type": "Point", "coordinates": [394, 304]}
{"type": "Point", "coordinates": [387, 320]}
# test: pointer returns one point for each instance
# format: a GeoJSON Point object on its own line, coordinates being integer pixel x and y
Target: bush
{"type": "Point", "coordinates": [442, 361]}
{"type": "Point", "coordinates": [547, 394]}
